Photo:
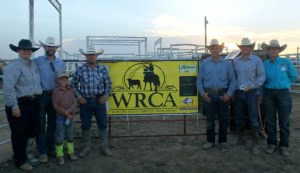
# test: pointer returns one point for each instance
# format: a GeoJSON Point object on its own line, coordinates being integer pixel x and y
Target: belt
{"type": "Point", "coordinates": [47, 92]}
{"type": "Point", "coordinates": [215, 90]}
{"type": "Point", "coordinates": [31, 97]}
{"type": "Point", "coordinates": [94, 96]}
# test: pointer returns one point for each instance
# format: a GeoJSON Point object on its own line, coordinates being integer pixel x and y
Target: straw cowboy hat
{"type": "Point", "coordinates": [91, 51]}
{"type": "Point", "coordinates": [23, 44]}
{"type": "Point", "coordinates": [50, 41]}
{"type": "Point", "coordinates": [246, 42]}
{"type": "Point", "coordinates": [215, 42]}
{"type": "Point", "coordinates": [273, 43]}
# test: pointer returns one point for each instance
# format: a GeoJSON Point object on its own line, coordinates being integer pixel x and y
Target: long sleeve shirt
{"type": "Point", "coordinates": [21, 78]}
{"type": "Point", "coordinates": [63, 100]}
{"type": "Point", "coordinates": [249, 72]}
{"type": "Point", "coordinates": [88, 81]}
{"type": "Point", "coordinates": [280, 73]}
{"type": "Point", "coordinates": [216, 75]}
{"type": "Point", "coordinates": [48, 71]}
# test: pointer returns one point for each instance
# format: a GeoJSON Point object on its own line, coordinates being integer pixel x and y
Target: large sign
{"type": "Point", "coordinates": [158, 87]}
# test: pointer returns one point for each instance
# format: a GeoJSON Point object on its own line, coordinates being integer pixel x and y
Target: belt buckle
{"type": "Point", "coordinates": [93, 97]}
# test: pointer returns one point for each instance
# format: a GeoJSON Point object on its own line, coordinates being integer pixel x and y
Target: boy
{"type": "Point", "coordinates": [64, 102]}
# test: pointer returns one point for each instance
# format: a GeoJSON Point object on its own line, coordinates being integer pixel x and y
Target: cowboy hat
{"type": "Point", "coordinates": [91, 51]}
{"type": "Point", "coordinates": [215, 42]}
{"type": "Point", "coordinates": [246, 42]}
{"type": "Point", "coordinates": [62, 74]}
{"type": "Point", "coordinates": [50, 41]}
{"type": "Point", "coordinates": [23, 44]}
{"type": "Point", "coordinates": [273, 43]}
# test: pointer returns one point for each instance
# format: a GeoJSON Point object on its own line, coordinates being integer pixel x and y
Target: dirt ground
{"type": "Point", "coordinates": [174, 154]}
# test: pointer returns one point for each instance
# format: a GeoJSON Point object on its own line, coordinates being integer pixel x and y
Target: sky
{"type": "Point", "coordinates": [176, 21]}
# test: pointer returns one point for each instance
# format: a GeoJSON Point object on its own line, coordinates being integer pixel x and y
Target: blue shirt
{"type": "Point", "coordinates": [216, 75]}
{"type": "Point", "coordinates": [249, 72]}
{"type": "Point", "coordinates": [21, 78]}
{"type": "Point", "coordinates": [47, 74]}
{"type": "Point", "coordinates": [88, 81]}
{"type": "Point", "coordinates": [280, 73]}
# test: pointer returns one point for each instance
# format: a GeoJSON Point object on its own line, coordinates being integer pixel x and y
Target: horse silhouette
{"type": "Point", "coordinates": [150, 77]}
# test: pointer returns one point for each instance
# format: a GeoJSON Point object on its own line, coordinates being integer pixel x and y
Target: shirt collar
{"type": "Point", "coordinates": [221, 59]}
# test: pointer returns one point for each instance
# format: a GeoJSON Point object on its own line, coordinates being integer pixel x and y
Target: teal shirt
{"type": "Point", "coordinates": [280, 74]}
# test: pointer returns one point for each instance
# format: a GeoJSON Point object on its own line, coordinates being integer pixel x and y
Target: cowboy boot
{"type": "Point", "coordinates": [59, 149]}
{"type": "Point", "coordinates": [103, 142]}
{"type": "Point", "coordinates": [86, 137]}
{"type": "Point", "coordinates": [241, 138]}
{"type": "Point", "coordinates": [30, 154]}
{"type": "Point", "coordinates": [70, 151]}
{"type": "Point", "coordinates": [255, 142]}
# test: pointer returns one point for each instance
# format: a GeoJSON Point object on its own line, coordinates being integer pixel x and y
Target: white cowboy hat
{"type": "Point", "coordinates": [246, 42]}
{"type": "Point", "coordinates": [273, 43]}
{"type": "Point", "coordinates": [91, 50]}
{"type": "Point", "coordinates": [62, 74]}
{"type": "Point", "coordinates": [50, 41]}
{"type": "Point", "coordinates": [215, 42]}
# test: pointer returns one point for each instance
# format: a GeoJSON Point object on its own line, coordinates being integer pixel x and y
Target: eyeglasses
{"type": "Point", "coordinates": [52, 66]}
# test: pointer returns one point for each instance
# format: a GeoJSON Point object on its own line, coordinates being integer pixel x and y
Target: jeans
{"type": "Point", "coordinates": [277, 101]}
{"type": "Point", "coordinates": [93, 107]}
{"type": "Point", "coordinates": [46, 137]}
{"type": "Point", "coordinates": [216, 106]}
{"type": "Point", "coordinates": [24, 127]}
{"type": "Point", "coordinates": [63, 131]}
{"type": "Point", "coordinates": [247, 102]}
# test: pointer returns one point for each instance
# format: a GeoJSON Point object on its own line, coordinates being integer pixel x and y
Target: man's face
{"type": "Point", "coordinates": [245, 50]}
{"type": "Point", "coordinates": [215, 50]}
{"type": "Point", "coordinates": [25, 53]}
{"type": "Point", "coordinates": [91, 59]}
{"type": "Point", "coordinates": [50, 50]}
{"type": "Point", "coordinates": [274, 52]}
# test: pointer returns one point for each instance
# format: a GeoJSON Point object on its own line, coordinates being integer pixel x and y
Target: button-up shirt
{"type": "Point", "coordinates": [88, 82]}
{"type": "Point", "coordinates": [216, 75]}
{"type": "Point", "coordinates": [63, 100]}
{"type": "Point", "coordinates": [280, 73]}
{"type": "Point", "coordinates": [249, 72]}
{"type": "Point", "coordinates": [21, 78]}
{"type": "Point", "coordinates": [48, 73]}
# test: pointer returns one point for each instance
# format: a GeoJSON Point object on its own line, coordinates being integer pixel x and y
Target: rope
{"type": "Point", "coordinates": [262, 125]}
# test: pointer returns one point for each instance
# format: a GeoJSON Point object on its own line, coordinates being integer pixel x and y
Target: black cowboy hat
{"type": "Point", "coordinates": [23, 44]}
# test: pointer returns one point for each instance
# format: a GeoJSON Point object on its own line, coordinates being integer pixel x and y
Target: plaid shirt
{"type": "Point", "coordinates": [64, 100]}
{"type": "Point", "coordinates": [88, 82]}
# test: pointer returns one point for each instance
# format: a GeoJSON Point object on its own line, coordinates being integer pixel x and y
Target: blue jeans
{"type": "Point", "coordinates": [46, 137]}
{"type": "Point", "coordinates": [93, 107]}
{"type": "Point", "coordinates": [63, 131]}
{"type": "Point", "coordinates": [216, 106]}
{"type": "Point", "coordinates": [246, 102]}
{"type": "Point", "coordinates": [277, 101]}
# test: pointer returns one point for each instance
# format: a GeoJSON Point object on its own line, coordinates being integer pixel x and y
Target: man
{"type": "Point", "coordinates": [216, 84]}
{"type": "Point", "coordinates": [48, 65]}
{"type": "Point", "coordinates": [280, 74]}
{"type": "Point", "coordinates": [250, 76]}
{"type": "Point", "coordinates": [21, 86]}
{"type": "Point", "coordinates": [92, 86]}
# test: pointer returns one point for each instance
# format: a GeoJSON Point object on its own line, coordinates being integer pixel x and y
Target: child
{"type": "Point", "coordinates": [64, 102]}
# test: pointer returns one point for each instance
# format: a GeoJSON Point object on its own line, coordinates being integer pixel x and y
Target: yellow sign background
{"type": "Point", "coordinates": [140, 87]}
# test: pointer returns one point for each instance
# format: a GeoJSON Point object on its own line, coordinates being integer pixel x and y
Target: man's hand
{"type": "Point", "coordinates": [206, 98]}
{"type": "Point", "coordinates": [247, 88]}
{"type": "Point", "coordinates": [103, 99]}
{"type": "Point", "coordinates": [225, 98]}
{"type": "Point", "coordinates": [16, 112]}
{"type": "Point", "coordinates": [82, 101]}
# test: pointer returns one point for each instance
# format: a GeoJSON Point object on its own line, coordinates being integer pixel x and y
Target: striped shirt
{"type": "Point", "coordinates": [21, 78]}
{"type": "Point", "coordinates": [216, 75]}
{"type": "Point", "coordinates": [64, 100]}
{"type": "Point", "coordinates": [249, 72]}
{"type": "Point", "coordinates": [88, 82]}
